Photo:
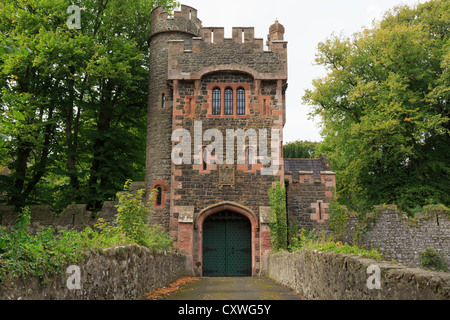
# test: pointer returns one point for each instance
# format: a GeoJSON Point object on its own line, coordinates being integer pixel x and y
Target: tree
{"type": "Point", "coordinates": [385, 108]}
{"type": "Point", "coordinates": [7, 120]}
{"type": "Point", "coordinates": [83, 96]}
{"type": "Point", "coordinates": [300, 149]}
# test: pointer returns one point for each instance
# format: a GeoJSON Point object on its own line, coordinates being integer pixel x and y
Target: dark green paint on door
{"type": "Point", "coordinates": [227, 245]}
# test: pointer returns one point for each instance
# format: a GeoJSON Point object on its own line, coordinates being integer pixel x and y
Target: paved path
{"type": "Point", "coordinates": [234, 289]}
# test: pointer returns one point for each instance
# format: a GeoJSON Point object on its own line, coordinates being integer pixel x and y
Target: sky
{"type": "Point", "coordinates": [307, 23]}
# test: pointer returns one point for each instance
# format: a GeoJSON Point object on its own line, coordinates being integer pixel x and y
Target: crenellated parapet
{"type": "Point", "coordinates": [309, 192]}
{"type": "Point", "coordinates": [185, 21]}
{"type": "Point", "coordinates": [209, 51]}
{"type": "Point", "coordinates": [203, 82]}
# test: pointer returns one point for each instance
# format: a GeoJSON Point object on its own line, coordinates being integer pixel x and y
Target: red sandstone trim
{"type": "Point", "coordinates": [222, 87]}
{"type": "Point", "coordinates": [165, 188]}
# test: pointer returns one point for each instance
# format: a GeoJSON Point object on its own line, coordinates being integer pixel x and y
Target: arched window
{"type": "Point", "coordinates": [159, 196]}
{"type": "Point", "coordinates": [240, 101]}
{"type": "Point", "coordinates": [228, 101]}
{"type": "Point", "coordinates": [217, 101]}
{"type": "Point", "coordinates": [163, 101]}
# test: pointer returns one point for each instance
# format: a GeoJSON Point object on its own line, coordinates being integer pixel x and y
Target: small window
{"type": "Point", "coordinates": [250, 159]}
{"type": "Point", "coordinates": [320, 211]}
{"type": "Point", "coordinates": [217, 96]}
{"type": "Point", "coordinates": [205, 159]}
{"type": "Point", "coordinates": [189, 106]}
{"type": "Point", "coordinates": [159, 196]}
{"type": "Point", "coordinates": [163, 101]}
{"type": "Point", "coordinates": [240, 101]}
{"type": "Point", "coordinates": [228, 101]}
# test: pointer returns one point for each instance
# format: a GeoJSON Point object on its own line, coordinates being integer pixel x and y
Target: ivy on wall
{"type": "Point", "coordinates": [278, 219]}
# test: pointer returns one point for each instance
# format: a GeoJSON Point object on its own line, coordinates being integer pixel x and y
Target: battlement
{"type": "Point", "coordinates": [184, 20]}
{"type": "Point", "coordinates": [310, 177]}
{"type": "Point", "coordinates": [244, 35]}
{"type": "Point", "coordinates": [210, 51]}
{"type": "Point", "coordinates": [239, 35]}
{"type": "Point", "coordinates": [186, 12]}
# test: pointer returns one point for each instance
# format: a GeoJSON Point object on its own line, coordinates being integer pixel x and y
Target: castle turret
{"type": "Point", "coordinates": [183, 26]}
{"type": "Point", "coordinates": [206, 87]}
{"type": "Point", "coordinates": [276, 34]}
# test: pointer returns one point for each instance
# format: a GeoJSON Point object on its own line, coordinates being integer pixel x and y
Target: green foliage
{"type": "Point", "coordinates": [313, 240]}
{"type": "Point", "coordinates": [8, 119]}
{"type": "Point", "coordinates": [384, 109]}
{"type": "Point", "coordinates": [338, 219]}
{"type": "Point", "coordinates": [437, 208]}
{"type": "Point", "coordinates": [132, 220]}
{"type": "Point", "coordinates": [300, 150]}
{"type": "Point", "coordinates": [50, 252]}
{"type": "Point", "coordinates": [80, 96]}
{"type": "Point", "coordinates": [278, 220]}
{"type": "Point", "coordinates": [431, 260]}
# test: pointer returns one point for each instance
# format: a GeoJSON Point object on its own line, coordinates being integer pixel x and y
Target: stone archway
{"type": "Point", "coordinates": [227, 245]}
{"type": "Point", "coordinates": [226, 241]}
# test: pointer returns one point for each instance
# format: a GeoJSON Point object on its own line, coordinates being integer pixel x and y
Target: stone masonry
{"type": "Point", "coordinates": [195, 74]}
{"type": "Point", "coordinates": [401, 239]}
{"type": "Point", "coordinates": [201, 82]}
{"type": "Point", "coordinates": [121, 273]}
{"type": "Point", "coordinates": [332, 276]}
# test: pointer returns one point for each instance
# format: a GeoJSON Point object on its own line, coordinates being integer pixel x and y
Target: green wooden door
{"type": "Point", "coordinates": [227, 246]}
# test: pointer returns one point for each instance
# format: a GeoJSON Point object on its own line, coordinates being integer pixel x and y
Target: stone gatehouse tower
{"type": "Point", "coordinates": [201, 83]}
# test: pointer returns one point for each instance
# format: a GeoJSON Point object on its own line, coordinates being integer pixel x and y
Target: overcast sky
{"type": "Point", "coordinates": [307, 23]}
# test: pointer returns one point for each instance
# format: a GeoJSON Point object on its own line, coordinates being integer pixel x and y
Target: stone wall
{"type": "Point", "coordinates": [330, 276]}
{"type": "Point", "coordinates": [122, 273]}
{"type": "Point", "coordinates": [401, 239]}
{"type": "Point", "coordinates": [74, 217]}
{"type": "Point", "coordinates": [308, 196]}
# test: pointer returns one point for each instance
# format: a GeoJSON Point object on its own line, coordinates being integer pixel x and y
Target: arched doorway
{"type": "Point", "coordinates": [227, 245]}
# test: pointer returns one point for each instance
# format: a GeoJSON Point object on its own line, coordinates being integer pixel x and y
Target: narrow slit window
{"type": "Point", "coordinates": [320, 211]}
{"type": "Point", "coordinates": [250, 159]}
{"type": "Point", "coordinates": [240, 101]}
{"type": "Point", "coordinates": [189, 106]}
{"type": "Point", "coordinates": [159, 196]}
{"type": "Point", "coordinates": [205, 159]}
{"type": "Point", "coordinates": [163, 101]}
{"type": "Point", "coordinates": [228, 102]}
{"type": "Point", "coordinates": [217, 95]}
